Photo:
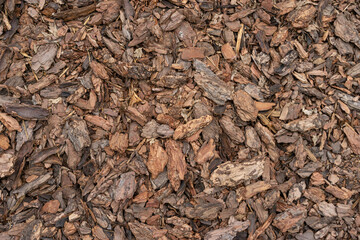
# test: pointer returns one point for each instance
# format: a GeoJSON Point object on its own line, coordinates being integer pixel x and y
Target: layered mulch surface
{"type": "Point", "coordinates": [179, 119]}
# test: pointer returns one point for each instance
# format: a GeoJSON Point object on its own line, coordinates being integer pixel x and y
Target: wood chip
{"type": "Point", "coordinates": [231, 174]}
{"type": "Point", "coordinates": [9, 122]}
{"type": "Point", "coordinates": [341, 193]}
{"type": "Point", "coordinates": [191, 127]}
{"type": "Point", "coordinates": [353, 138]}
{"type": "Point", "coordinates": [228, 52]}
{"type": "Point", "coordinates": [289, 218]}
{"type": "Point", "coordinates": [176, 164]}
{"type": "Point", "coordinates": [245, 106]}
{"type": "Point", "coordinates": [157, 160]}
{"type": "Point", "coordinates": [215, 89]}
{"type": "Point", "coordinates": [206, 152]}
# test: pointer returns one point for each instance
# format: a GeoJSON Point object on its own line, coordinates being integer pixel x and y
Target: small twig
{"type": "Point", "coordinates": [239, 38]}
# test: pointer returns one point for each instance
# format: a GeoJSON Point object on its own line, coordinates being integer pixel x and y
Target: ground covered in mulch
{"type": "Point", "coordinates": [179, 119]}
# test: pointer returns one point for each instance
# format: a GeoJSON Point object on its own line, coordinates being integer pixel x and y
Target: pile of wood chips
{"type": "Point", "coordinates": [179, 119]}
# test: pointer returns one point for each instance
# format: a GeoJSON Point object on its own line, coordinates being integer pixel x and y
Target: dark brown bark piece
{"type": "Point", "coordinates": [76, 130]}
{"type": "Point", "coordinates": [27, 187]}
{"type": "Point", "coordinates": [42, 155]}
{"type": "Point", "coordinates": [354, 71]}
{"type": "Point", "coordinates": [75, 13]}
{"type": "Point", "coordinates": [215, 89]}
{"type": "Point", "coordinates": [99, 70]}
{"type": "Point", "coordinates": [301, 17]}
{"type": "Point", "coordinates": [234, 132]}
{"type": "Point", "coordinates": [27, 112]}
{"type": "Point", "coordinates": [132, 70]}
{"type": "Point", "coordinates": [346, 30]}
{"type": "Point", "coordinates": [44, 57]}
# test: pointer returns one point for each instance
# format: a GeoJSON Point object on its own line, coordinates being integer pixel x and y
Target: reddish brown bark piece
{"type": "Point", "coordinates": [119, 142]}
{"type": "Point", "coordinates": [51, 206]}
{"type": "Point", "coordinates": [98, 232]}
{"type": "Point", "coordinates": [317, 179]}
{"type": "Point", "coordinates": [192, 53]}
{"type": "Point", "coordinates": [245, 106]}
{"type": "Point", "coordinates": [353, 138]}
{"type": "Point", "coordinates": [157, 160]}
{"type": "Point", "coordinates": [146, 232]}
{"type": "Point", "coordinates": [241, 14]}
{"type": "Point", "coordinates": [289, 218]}
{"type": "Point", "coordinates": [42, 83]}
{"type": "Point", "coordinates": [99, 70]}
{"type": "Point", "coordinates": [206, 152]}
{"type": "Point", "coordinates": [134, 114]}
{"type": "Point", "coordinates": [171, 20]}
{"type": "Point", "coordinates": [280, 36]}
{"type": "Point", "coordinates": [286, 6]}
{"type": "Point", "coordinates": [253, 189]}
{"type": "Point", "coordinates": [191, 127]}
{"type": "Point", "coordinates": [264, 106]}
{"type": "Point", "coordinates": [228, 52]}
{"type": "Point", "coordinates": [315, 194]}
{"type": "Point", "coordinates": [290, 111]}
{"type": "Point", "coordinates": [4, 142]}
{"type": "Point", "coordinates": [176, 163]}
{"type": "Point", "coordinates": [302, 16]}
{"type": "Point", "coordinates": [9, 122]}
{"type": "Point", "coordinates": [99, 121]}
{"type": "Point", "coordinates": [341, 193]}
